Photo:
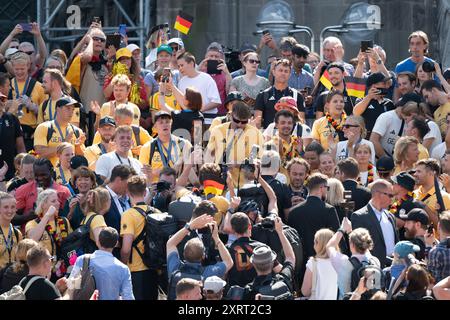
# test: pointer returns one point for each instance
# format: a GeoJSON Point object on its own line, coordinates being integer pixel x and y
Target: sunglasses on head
{"type": "Point", "coordinates": [253, 61]}
{"type": "Point", "coordinates": [240, 121]}
{"type": "Point", "coordinates": [98, 39]}
{"type": "Point", "coordinates": [346, 126]}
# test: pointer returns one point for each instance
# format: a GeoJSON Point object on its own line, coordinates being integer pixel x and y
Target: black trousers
{"type": "Point", "coordinates": [145, 285]}
{"type": "Point", "coordinates": [28, 136]}
{"type": "Point", "coordinates": [87, 124]}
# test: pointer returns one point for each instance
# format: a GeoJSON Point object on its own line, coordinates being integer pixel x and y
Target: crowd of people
{"type": "Point", "coordinates": [182, 179]}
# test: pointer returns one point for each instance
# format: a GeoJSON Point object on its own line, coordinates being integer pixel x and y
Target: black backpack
{"type": "Point", "coordinates": [78, 242]}
{"type": "Point", "coordinates": [370, 266]}
{"type": "Point", "coordinates": [51, 130]}
{"type": "Point", "coordinates": [184, 271]}
{"type": "Point", "coordinates": [256, 193]}
{"type": "Point", "coordinates": [159, 226]}
{"type": "Point", "coordinates": [273, 286]}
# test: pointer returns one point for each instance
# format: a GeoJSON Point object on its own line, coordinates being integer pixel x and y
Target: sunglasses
{"type": "Point", "coordinates": [240, 121]}
{"type": "Point", "coordinates": [346, 126]}
{"type": "Point", "coordinates": [175, 48]}
{"type": "Point", "coordinates": [253, 61]}
{"type": "Point", "coordinates": [98, 39]}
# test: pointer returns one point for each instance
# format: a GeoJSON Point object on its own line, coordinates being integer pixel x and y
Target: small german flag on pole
{"type": "Point", "coordinates": [356, 87]}
{"type": "Point", "coordinates": [325, 80]}
{"type": "Point", "coordinates": [183, 22]}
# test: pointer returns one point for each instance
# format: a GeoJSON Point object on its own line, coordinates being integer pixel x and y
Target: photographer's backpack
{"type": "Point", "coordinates": [78, 242]}
{"type": "Point", "coordinates": [159, 226]}
{"type": "Point", "coordinates": [273, 286]}
{"type": "Point", "coordinates": [184, 271]}
{"type": "Point", "coordinates": [360, 267]}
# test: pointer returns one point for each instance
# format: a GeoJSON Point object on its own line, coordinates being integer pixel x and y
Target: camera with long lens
{"type": "Point", "coordinates": [428, 66]}
{"type": "Point", "coordinates": [161, 200]}
{"type": "Point", "coordinates": [248, 166]}
{"type": "Point", "coordinates": [348, 206]}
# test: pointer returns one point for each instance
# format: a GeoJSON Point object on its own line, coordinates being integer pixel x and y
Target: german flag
{"type": "Point", "coordinates": [325, 80]}
{"type": "Point", "coordinates": [183, 22]}
{"type": "Point", "coordinates": [213, 187]}
{"type": "Point", "coordinates": [356, 87]}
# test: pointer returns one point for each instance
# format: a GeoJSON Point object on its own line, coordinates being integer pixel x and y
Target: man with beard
{"type": "Point", "coordinates": [26, 195]}
{"type": "Point", "coordinates": [435, 96]}
{"type": "Point", "coordinates": [300, 78]}
{"type": "Point", "coordinates": [106, 129]}
{"type": "Point", "coordinates": [416, 223]}
{"type": "Point", "coordinates": [298, 172]}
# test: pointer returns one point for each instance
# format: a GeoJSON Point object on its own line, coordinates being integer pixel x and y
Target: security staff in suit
{"type": "Point", "coordinates": [348, 173]}
{"type": "Point", "coordinates": [313, 214]}
{"type": "Point", "coordinates": [379, 221]}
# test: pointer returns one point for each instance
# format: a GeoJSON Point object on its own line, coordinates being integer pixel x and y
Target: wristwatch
{"type": "Point", "coordinates": [187, 226]}
{"type": "Point", "coordinates": [341, 231]}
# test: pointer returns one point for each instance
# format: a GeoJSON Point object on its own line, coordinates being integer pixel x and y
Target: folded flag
{"type": "Point", "coordinates": [183, 22]}
{"type": "Point", "coordinates": [325, 80]}
{"type": "Point", "coordinates": [356, 87]}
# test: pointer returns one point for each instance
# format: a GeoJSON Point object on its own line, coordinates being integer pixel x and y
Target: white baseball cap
{"type": "Point", "coordinates": [178, 41]}
{"type": "Point", "coordinates": [132, 47]}
{"type": "Point", "coordinates": [10, 51]}
{"type": "Point", "coordinates": [214, 283]}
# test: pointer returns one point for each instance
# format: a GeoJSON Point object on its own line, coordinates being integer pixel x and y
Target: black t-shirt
{"type": "Point", "coordinates": [243, 271]}
{"type": "Point", "coordinates": [185, 120]}
{"type": "Point", "coordinates": [349, 102]}
{"type": "Point", "coordinates": [373, 111]}
{"type": "Point", "coordinates": [9, 277]}
{"type": "Point", "coordinates": [41, 289]}
{"type": "Point", "coordinates": [266, 100]}
{"type": "Point", "coordinates": [283, 193]}
{"type": "Point", "coordinates": [10, 130]}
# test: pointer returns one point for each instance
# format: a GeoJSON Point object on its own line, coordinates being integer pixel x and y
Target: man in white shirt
{"type": "Point", "coordinates": [202, 82]}
{"type": "Point", "coordinates": [107, 162]}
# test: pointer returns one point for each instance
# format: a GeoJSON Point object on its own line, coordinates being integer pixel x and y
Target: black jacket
{"type": "Point", "coordinates": [366, 218]}
{"type": "Point", "coordinates": [309, 217]}
{"type": "Point", "coordinates": [361, 195]}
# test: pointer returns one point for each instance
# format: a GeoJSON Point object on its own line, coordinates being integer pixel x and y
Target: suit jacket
{"type": "Point", "coordinates": [112, 217]}
{"type": "Point", "coordinates": [309, 217]}
{"type": "Point", "coordinates": [366, 218]}
{"type": "Point", "coordinates": [361, 195]}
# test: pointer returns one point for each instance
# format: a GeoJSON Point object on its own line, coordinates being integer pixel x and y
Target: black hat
{"type": "Point", "coordinates": [107, 120]}
{"type": "Point", "coordinates": [376, 77]}
{"type": "Point", "coordinates": [78, 161]}
{"type": "Point", "coordinates": [162, 114]}
{"type": "Point", "coordinates": [232, 96]}
{"type": "Point", "coordinates": [67, 101]}
{"type": "Point", "coordinates": [416, 214]}
{"type": "Point", "coordinates": [385, 164]}
{"type": "Point", "coordinates": [414, 97]}
{"type": "Point", "coordinates": [404, 180]}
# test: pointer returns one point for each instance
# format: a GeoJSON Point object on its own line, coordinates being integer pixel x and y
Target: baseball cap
{"type": "Point", "coordinates": [376, 78]}
{"type": "Point", "coordinates": [214, 283]}
{"type": "Point", "coordinates": [385, 164]}
{"type": "Point", "coordinates": [164, 47]}
{"type": "Point", "coordinates": [107, 120]}
{"type": "Point", "coordinates": [10, 51]}
{"type": "Point", "coordinates": [233, 96]}
{"type": "Point", "coordinates": [78, 161]}
{"type": "Point", "coordinates": [177, 41]}
{"type": "Point", "coordinates": [403, 248]}
{"type": "Point", "coordinates": [132, 47]}
{"type": "Point", "coordinates": [416, 214]}
{"type": "Point", "coordinates": [404, 180]}
{"type": "Point", "coordinates": [247, 47]}
{"type": "Point", "coordinates": [263, 255]}
{"type": "Point", "coordinates": [123, 52]}
{"type": "Point", "coordinates": [287, 103]}
{"type": "Point", "coordinates": [162, 114]}
{"type": "Point", "coordinates": [215, 46]}
{"type": "Point", "coordinates": [414, 97]}
{"type": "Point", "coordinates": [67, 101]}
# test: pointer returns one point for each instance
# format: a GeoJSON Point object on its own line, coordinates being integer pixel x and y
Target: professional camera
{"type": "Point", "coordinates": [248, 166]}
{"type": "Point", "coordinates": [268, 222]}
{"type": "Point", "coordinates": [162, 186]}
{"type": "Point", "coordinates": [348, 205]}
{"type": "Point", "coordinates": [162, 197]}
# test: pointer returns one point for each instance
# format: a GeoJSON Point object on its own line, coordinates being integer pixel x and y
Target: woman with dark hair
{"type": "Point", "coordinates": [418, 280]}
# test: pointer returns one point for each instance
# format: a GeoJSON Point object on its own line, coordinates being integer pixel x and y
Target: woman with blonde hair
{"type": "Point", "coordinates": [96, 205]}
{"type": "Point", "coordinates": [13, 273]}
{"type": "Point", "coordinates": [406, 154]}
{"type": "Point", "coordinates": [320, 281]}
{"type": "Point", "coordinates": [355, 131]}
{"type": "Point", "coordinates": [49, 229]}
{"type": "Point", "coordinates": [367, 170]}
{"type": "Point", "coordinates": [65, 152]}
{"type": "Point", "coordinates": [335, 196]}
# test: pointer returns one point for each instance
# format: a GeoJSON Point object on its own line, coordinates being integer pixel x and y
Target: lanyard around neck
{"type": "Point", "coordinates": [25, 87]}
{"type": "Point", "coordinates": [120, 160]}
{"type": "Point", "coordinates": [60, 131]}
{"type": "Point", "coordinates": [8, 241]}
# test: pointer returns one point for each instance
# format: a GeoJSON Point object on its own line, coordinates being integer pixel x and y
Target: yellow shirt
{"type": "Point", "coordinates": [217, 122]}
{"type": "Point", "coordinates": [154, 106]}
{"type": "Point", "coordinates": [287, 149]}
{"type": "Point", "coordinates": [321, 130]}
{"type": "Point", "coordinates": [37, 96]}
{"type": "Point", "coordinates": [62, 175]}
{"type": "Point", "coordinates": [105, 110]}
{"type": "Point", "coordinates": [144, 137]}
{"type": "Point", "coordinates": [132, 222]}
{"type": "Point", "coordinates": [45, 239]}
{"type": "Point", "coordinates": [429, 198]}
{"type": "Point", "coordinates": [423, 152]}
{"type": "Point", "coordinates": [440, 117]}
{"type": "Point", "coordinates": [5, 256]}
{"type": "Point", "coordinates": [92, 153]}
{"type": "Point", "coordinates": [40, 136]}
{"type": "Point", "coordinates": [222, 205]}
{"type": "Point", "coordinates": [97, 222]}
{"type": "Point", "coordinates": [51, 106]}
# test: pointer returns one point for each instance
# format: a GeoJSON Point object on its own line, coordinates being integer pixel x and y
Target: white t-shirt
{"type": "Point", "coordinates": [106, 163]}
{"type": "Point", "coordinates": [341, 150]}
{"type": "Point", "coordinates": [434, 133]}
{"type": "Point", "coordinates": [388, 127]}
{"type": "Point", "coordinates": [326, 286]}
{"type": "Point", "coordinates": [271, 131]}
{"type": "Point", "coordinates": [438, 152]}
{"type": "Point", "coordinates": [363, 176]}
{"type": "Point", "coordinates": [207, 87]}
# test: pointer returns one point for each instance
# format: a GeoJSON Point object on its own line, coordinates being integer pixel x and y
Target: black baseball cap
{"type": "Point", "coordinates": [376, 77]}
{"type": "Point", "coordinates": [416, 214]}
{"type": "Point", "coordinates": [414, 97]}
{"type": "Point", "coordinates": [67, 101]}
{"type": "Point", "coordinates": [385, 164]}
{"type": "Point", "coordinates": [78, 161]}
{"type": "Point", "coordinates": [162, 114]}
{"type": "Point", "coordinates": [232, 96]}
{"type": "Point", "coordinates": [405, 180]}
{"type": "Point", "coordinates": [107, 120]}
